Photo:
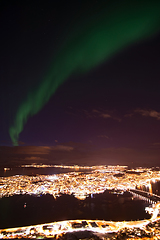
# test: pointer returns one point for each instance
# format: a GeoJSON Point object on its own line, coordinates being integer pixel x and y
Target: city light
{"type": "Point", "coordinates": [94, 180]}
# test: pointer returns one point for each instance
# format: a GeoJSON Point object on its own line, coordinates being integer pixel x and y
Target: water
{"type": "Point", "coordinates": [44, 209]}
{"type": "Point", "coordinates": [39, 171]}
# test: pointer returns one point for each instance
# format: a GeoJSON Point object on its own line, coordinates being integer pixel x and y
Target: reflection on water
{"type": "Point", "coordinates": [23, 210]}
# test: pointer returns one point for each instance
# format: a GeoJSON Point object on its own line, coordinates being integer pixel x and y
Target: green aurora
{"type": "Point", "coordinates": [91, 42]}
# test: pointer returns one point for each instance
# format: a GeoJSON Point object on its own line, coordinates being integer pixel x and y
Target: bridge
{"type": "Point", "coordinates": [146, 196]}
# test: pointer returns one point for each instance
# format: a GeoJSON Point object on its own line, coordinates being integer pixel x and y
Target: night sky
{"type": "Point", "coordinates": [80, 82]}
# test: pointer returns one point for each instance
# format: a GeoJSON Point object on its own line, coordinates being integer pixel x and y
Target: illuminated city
{"type": "Point", "coordinates": [81, 185]}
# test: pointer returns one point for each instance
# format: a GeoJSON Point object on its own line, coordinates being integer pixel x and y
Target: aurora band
{"type": "Point", "coordinates": [90, 43]}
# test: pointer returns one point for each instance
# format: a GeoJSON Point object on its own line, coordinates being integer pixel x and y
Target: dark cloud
{"type": "Point", "coordinates": [13, 156]}
{"type": "Point", "coordinates": [32, 150]}
{"type": "Point", "coordinates": [62, 148]}
{"type": "Point", "coordinates": [82, 154]}
{"type": "Point", "coordinates": [104, 114]}
{"type": "Point", "coordinates": [155, 145]}
{"type": "Point", "coordinates": [33, 158]}
{"type": "Point", "coordinates": [148, 113]}
{"type": "Point", "coordinates": [145, 113]}
{"type": "Point", "coordinates": [103, 136]}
